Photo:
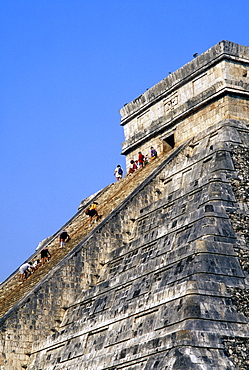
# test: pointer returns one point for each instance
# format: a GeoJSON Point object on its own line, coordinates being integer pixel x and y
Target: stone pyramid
{"type": "Point", "coordinates": [161, 282]}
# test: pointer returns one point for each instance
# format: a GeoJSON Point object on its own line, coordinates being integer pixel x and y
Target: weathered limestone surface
{"type": "Point", "coordinates": [162, 296]}
{"type": "Point", "coordinates": [162, 281]}
{"type": "Point", "coordinates": [64, 286]}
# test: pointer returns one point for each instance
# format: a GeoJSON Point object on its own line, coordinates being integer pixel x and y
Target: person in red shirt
{"type": "Point", "coordinates": [132, 168]}
{"type": "Point", "coordinates": [140, 159]}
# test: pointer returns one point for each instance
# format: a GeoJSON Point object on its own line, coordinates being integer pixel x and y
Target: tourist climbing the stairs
{"type": "Point", "coordinates": [118, 172]}
{"type": "Point", "coordinates": [64, 238]}
{"type": "Point", "coordinates": [25, 270]}
{"type": "Point", "coordinates": [140, 159]}
{"type": "Point", "coordinates": [92, 212]}
{"type": "Point", "coordinates": [132, 168]}
{"type": "Point", "coordinates": [45, 255]}
{"type": "Point", "coordinates": [146, 160]}
{"type": "Point", "coordinates": [36, 264]}
{"type": "Point", "coordinates": [153, 153]}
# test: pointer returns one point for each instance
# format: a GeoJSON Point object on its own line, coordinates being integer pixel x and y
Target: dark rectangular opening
{"type": "Point", "coordinates": [169, 142]}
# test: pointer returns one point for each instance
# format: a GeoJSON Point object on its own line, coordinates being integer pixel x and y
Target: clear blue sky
{"type": "Point", "coordinates": [67, 67]}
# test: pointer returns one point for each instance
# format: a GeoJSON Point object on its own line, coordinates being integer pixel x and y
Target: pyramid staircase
{"type": "Point", "coordinates": [11, 291]}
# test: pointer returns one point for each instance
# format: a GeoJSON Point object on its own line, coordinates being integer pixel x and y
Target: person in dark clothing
{"type": "Point", "coordinates": [92, 212]}
{"type": "Point", "coordinates": [153, 153]}
{"type": "Point", "coordinates": [45, 255]}
{"type": "Point", "coordinates": [64, 238]}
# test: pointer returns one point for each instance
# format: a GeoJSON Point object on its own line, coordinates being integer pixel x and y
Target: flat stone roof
{"type": "Point", "coordinates": [222, 50]}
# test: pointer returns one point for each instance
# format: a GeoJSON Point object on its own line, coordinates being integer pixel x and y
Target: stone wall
{"type": "Point", "coordinates": [40, 314]}
{"type": "Point", "coordinates": [154, 285]}
{"type": "Point", "coordinates": [163, 296]}
{"type": "Point", "coordinates": [35, 317]}
{"type": "Point", "coordinates": [237, 347]}
{"type": "Point", "coordinates": [205, 94]}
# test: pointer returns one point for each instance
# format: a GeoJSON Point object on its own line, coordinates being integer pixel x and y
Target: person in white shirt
{"type": "Point", "coordinates": [24, 271]}
{"type": "Point", "coordinates": [118, 172]}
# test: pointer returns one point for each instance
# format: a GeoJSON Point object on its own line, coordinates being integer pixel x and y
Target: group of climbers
{"type": "Point", "coordinates": [28, 268]}
{"type": "Point", "coordinates": [136, 164]}
{"type": "Point", "coordinates": [142, 160]}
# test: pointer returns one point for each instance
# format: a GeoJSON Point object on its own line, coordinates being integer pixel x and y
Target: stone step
{"type": "Point", "coordinates": [13, 291]}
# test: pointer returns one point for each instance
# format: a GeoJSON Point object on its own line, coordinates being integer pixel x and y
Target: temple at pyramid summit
{"type": "Point", "coordinates": [161, 280]}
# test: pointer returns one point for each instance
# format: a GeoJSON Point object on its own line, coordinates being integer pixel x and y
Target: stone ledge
{"type": "Point", "coordinates": [222, 50]}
